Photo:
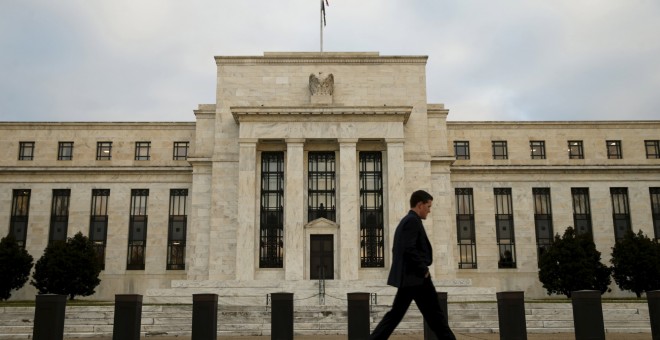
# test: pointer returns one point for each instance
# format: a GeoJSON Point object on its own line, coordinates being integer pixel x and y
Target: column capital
{"type": "Point", "coordinates": [347, 140]}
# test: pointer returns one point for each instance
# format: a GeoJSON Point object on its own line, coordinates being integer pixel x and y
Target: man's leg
{"type": "Point", "coordinates": [392, 318]}
{"type": "Point", "coordinates": [427, 302]}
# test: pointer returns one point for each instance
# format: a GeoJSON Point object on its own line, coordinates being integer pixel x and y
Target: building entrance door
{"type": "Point", "coordinates": [321, 257]}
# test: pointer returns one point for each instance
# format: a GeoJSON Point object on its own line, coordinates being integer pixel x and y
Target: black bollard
{"type": "Point", "coordinates": [588, 315]}
{"type": "Point", "coordinates": [358, 316]}
{"type": "Point", "coordinates": [128, 317]}
{"type": "Point", "coordinates": [653, 300]}
{"type": "Point", "coordinates": [205, 317]}
{"type": "Point", "coordinates": [442, 299]}
{"type": "Point", "coordinates": [49, 317]}
{"type": "Point", "coordinates": [511, 315]}
{"type": "Point", "coordinates": [281, 316]}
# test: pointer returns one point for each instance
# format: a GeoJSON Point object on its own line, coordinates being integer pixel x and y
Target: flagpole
{"type": "Point", "coordinates": [321, 22]}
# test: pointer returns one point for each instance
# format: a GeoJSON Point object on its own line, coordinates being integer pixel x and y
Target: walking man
{"type": "Point", "coordinates": [411, 256]}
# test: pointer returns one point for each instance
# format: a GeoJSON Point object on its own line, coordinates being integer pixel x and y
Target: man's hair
{"type": "Point", "coordinates": [419, 196]}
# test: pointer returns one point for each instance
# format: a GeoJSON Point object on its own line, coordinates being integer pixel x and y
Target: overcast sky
{"type": "Point", "coordinates": [152, 60]}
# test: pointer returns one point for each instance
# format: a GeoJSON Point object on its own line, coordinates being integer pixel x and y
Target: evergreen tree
{"type": "Point", "coordinates": [572, 263]}
{"type": "Point", "coordinates": [68, 268]}
{"type": "Point", "coordinates": [15, 266]}
{"type": "Point", "coordinates": [636, 263]}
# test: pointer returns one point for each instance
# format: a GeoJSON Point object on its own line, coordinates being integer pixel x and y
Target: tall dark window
{"type": "Point", "coordinates": [620, 212]}
{"type": "Point", "coordinates": [103, 151]}
{"type": "Point", "coordinates": [537, 149]}
{"type": "Point", "coordinates": [575, 149]}
{"type": "Point", "coordinates": [176, 235]}
{"type": "Point", "coordinates": [542, 219]}
{"type": "Point", "coordinates": [500, 150]}
{"type": "Point", "coordinates": [581, 211]}
{"type": "Point", "coordinates": [180, 151]}
{"type": "Point", "coordinates": [142, 151]}
{"type": "Point", "coordinates": [321, 185]}
{"type": "Point", "coordinates": [137, 229]}
{"type": "Point", "coordinates": [65, 151]}
{"type": "Point", "coordinates": [655, 210]}
{"type": "Point", "coordinates": [59, 215]}
{"type": "Point", "coordinates": [25, 151]}
{"type": "Point", "coordinates": [467, 243]}
{"type": "Point", "coordinates": [98, 222]}
{"type": "Point", "coordinates": [271, 228]}
{"type": "Point", "coordinates": [614, 149]}
{"type": "Point", "coordinates": [506, 241]}
{"type": "Point", "coordinates": [652, 148]}
{"type": "Point", "coordinates": [20, 210]}
{"type": "Point", "coordinates": [372, 241]}
{"type": "Point", "coordinates": [462, 149]}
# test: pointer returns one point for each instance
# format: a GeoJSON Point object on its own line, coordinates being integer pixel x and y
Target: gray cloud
{"type": "Point", "coordinates": [152, 60]}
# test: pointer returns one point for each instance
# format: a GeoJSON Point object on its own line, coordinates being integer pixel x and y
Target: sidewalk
{"type": "Point", "coordinates": [463, 336]}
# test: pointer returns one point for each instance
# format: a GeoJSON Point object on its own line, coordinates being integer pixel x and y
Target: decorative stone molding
{"type": "Point", "coordinates": [315, 113]}
{"type": "Point", "coordinates": [319, 58]}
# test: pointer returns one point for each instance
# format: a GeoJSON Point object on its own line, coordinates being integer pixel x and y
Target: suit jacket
{"type": "Point", "coordinates": [411, 254]}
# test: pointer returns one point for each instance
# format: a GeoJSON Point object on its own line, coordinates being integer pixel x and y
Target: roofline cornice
{"type": "Point", "coordinates": [316, 113]}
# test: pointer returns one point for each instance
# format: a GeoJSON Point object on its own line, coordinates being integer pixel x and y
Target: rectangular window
{"type": "Point", "coordinates": [176, 236]}
{"type": "Point", "coordinates": [180, 151]}
{"type": "Point", "coordinates": [652, 149]}
{"type": "Point", "coordinates": [372, 247]}
{"type": "Point", "coordinates": [20, 210]}
{"type": "Point", "coordinates": [142, 150]}
{"type": "Point", "coordinates": [620, 212]}
{"type": "Point", "coordinates": [581, 211]}
{"type": "Point", "coordinates": [655, 210]}
{"type": "Point", "coordinates": [506, 242]}
{"type": "Point", "coordinates": [271, 225]}
{"type": "Point", "coordinates": [537, 149]}
{"type": "Point", "coordinates": [321, 186]}
{"type": "Point", "coordinates": [500, 150]}
{"type": "Point", "coordinates": [614, 149]}
{"type": "Point", "coordinates": [542, 219]}
{"type": "Point", "coordinates": [467, 243]}
{"type": "Point", "coordinates": [98, 222]}
{"type": "Point", "coordinates": [103, 151]}
{"type": "Point", "coordinates": [59, 215]}
{"type": "Point", "coordinates": [462, 149]}
{"type": "Point", "coordinates": [137, 229]}
{"type": "Point", "coordinates": [25, 151]}
{"type": "Point", "coordinates": [65, 151]}
{"type": "Point", "coordinates": [575, 149]}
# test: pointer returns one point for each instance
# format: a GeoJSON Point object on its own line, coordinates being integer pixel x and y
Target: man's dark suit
{"type": "Point", "coordinates": [411, 255]}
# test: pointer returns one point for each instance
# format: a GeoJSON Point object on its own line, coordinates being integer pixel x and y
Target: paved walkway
{"type": "Point", "coordinates": [464, 336]}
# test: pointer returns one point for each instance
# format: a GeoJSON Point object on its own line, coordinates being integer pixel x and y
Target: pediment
{"type": "Point", "coordinates": [321, 223]}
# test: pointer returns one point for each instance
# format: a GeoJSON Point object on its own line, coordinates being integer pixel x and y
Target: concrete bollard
{"type": "Point", "coordinates": [442, 299]}
{"type": "Point", "coordinates": [511, 315]}
{"type": "Point", "coordinates": [205, 317]}
{"type": "Point", "coordinates": [281, 316]}
{"type": "Point", "coordinates": [653, 300]}
{"type": "Point", "coordinates": [128, 317]}
{"type": "Point", "coordinates": [358, 316]}
{"type": "Point", "coordinates": [49, 317]}
{"type": "Point", "coordinates": [588, 315]}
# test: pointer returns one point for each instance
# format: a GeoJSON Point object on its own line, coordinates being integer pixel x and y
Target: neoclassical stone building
{"type": "Point", "coordinates": [297, 176]}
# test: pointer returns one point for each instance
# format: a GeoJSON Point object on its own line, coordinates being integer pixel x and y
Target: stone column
{"type": "Point", "coordinates": [348, 201]}
{"type": "Point", "coordinates": [397, 197]}
{"type": "Point", "coordinates": [199, 231]}
{"type": "Point", "coordinates": [247, 198]}
{"type": "Point", "coordinates": [294, 206]}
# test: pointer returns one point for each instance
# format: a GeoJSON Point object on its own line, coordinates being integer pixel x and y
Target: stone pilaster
{"type": "Point", "coordinates": [198, 235]}
{"type": "Point", "coordinates": [397, 197]}
{"type": "Point", "coordinates": [349, 256]}
{"type": "Point", "coordinates": [294, 211]}
{"type": "Point", "coordinates": [247, 191]}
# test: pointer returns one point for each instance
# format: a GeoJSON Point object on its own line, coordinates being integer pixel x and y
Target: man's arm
{"type": "Point", "coordinates": [412, 255]}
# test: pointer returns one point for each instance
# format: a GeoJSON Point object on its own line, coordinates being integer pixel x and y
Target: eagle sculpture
{"type": "Point", "coordinates": [323, 86]}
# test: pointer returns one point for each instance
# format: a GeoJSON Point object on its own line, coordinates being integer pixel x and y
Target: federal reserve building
{"type": "Point", "coordinates": [296, 177]}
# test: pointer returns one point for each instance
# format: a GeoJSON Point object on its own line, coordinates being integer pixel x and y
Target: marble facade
{"type": "Point", "coordinates": [264, 103]}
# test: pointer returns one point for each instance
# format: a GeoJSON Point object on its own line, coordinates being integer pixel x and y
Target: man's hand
{"type": "Point", "coordinates": [427, 275]}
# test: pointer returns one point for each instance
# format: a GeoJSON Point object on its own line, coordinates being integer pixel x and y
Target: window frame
{"type": "Point", "coordinates": [537, 149]}
{"type": "Point", "coordinates": [467, 246]}
{"type": "Point", "coordinates": [614, 149]}
{"type": "Point", "coordinates": [620, 212]}
{"type": "Point", "coordinates": [372, 231]}
{"type": "Point", "coordinates": [542, 218]}
{"type": "Point", "coordinates": [142, 151]}
{"type": "Point", "coordinates": [176, 246]}
{"type": "Point", "coordinates": [652, 148]}
{"type": "Point", "coordinates": [103, 148]}
{"type": "Point", "coordinates": [26, 151]}
{"type": "Point", "coordinates": [178, 146]}
{"type": "Point", "coordinates": [59, 215]}
{"type": "Point", "coordinates": [504, 218]}
{"type": "Point", "coordinates": [321, 171]}
{"type": "Point", "coordinates": [137, 239]}
{"type": "Point", "coordinates": [500, 145]}
{"type": "Point", "coordinates": [579, 153]}
{"type": "Point", "coordinates": [271, 211]}
{"type": "Point", "coordinates": [62, 149]}
{"type": "Point", "coordinates": [98, 217]}
{"type": "Point", "coordinates": [581, 201]}
{"type": "Point", "coordinates": [465, 147]}
{"type": "Point", "coordinates": [654, 193]}
{"type": "Point", "coordinates": [20, 213]}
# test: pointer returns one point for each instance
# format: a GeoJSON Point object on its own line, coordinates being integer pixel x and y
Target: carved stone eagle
{"type": "Point", "coordinates": [323, 86]}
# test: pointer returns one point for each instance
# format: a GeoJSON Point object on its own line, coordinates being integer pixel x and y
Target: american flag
{"type": "Point", "coordinates": [323, 4]}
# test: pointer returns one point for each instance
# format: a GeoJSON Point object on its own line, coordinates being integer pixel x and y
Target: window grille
{"type": "Point", "coordinates": [137, 234]}
{"type": "Point", "coordinates": [103, 151]}
{"type": "Point", "coordinates": [500, 150]}
{"type": "Point", "coordinates": [537, 149]}
{"type": "Point", "coordinates": [614, 149]}
{"type": "Point", "coordinates": [65, 151]}
{"type": "Point", "coordinates": [620, 212]}
{"type": "Point", "coordinates": [575, 149]}
{"type": "Point", "coordinates": [321, 186]}
{"type": "Point", "coordinates": [20, 211]}
{"type": "Point", "coordinates": [652, 149]}
{"type": "Point", "coordinates": [542, 219]}
{"type": "Point", "coordinates": [142, 151]}
{"type": "Point", "coordinates": [467, 244]}
{"type": "Point", "coordinates": [581, 211]}
{"type": "Point", "coordinates": [372, 247]}
{"type": "Point", "coordinates": [176, 236]}
{"type": "Point", "coordinates": [98, 222]}
{"type": "Point", "coordinates": [181, 151]}
{"type": "Point", "coordinates": [504, 227]}
{"type": "Point", "coordinates": [655, 210]}
{"type": "Point", "coordinates": [271, 229]}
{"type": "Point", "coordinates": [462, 149]}
{"type": "Point", "coordinates": [59, 216]}
{"type": "Point", "coordinates": [25, 151]}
